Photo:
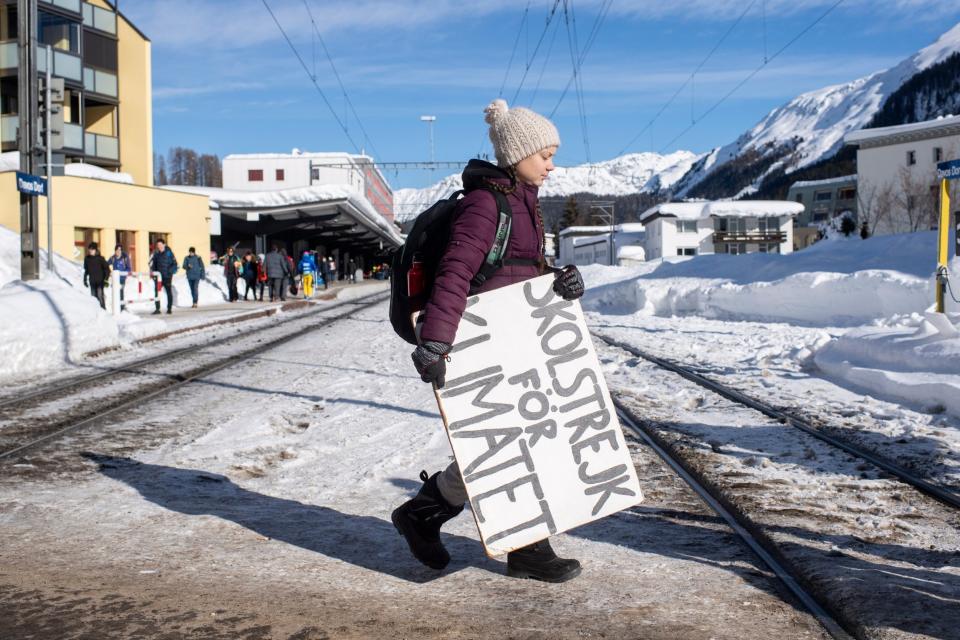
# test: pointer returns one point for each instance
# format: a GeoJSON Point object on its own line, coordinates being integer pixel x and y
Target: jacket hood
{"type": "Point", "coordinates": [479, 170]}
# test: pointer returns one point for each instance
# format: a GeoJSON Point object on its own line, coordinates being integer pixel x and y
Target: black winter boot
{"type": "Point", "coordinates": [537, 561]}
{"type": "Point", "coordinates": [419, 520]}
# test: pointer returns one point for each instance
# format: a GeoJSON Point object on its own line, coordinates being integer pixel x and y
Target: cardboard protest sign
{"type": "Point", "coordinates": [530, 419]}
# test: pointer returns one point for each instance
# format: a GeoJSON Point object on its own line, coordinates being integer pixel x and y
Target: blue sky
{"type": "Point", "coordinates": [225, 80]}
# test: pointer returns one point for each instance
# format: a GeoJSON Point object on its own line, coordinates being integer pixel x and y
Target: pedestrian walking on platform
{"type": "Point", "coordinates": [352, 270]}
{"type": "Point", "coordinates": [307, 268]}
{"type": "Point", "coordinates": [261, 276]}
{"type": "Point", "coordinates": [324, 267]}
{"type": "Point", "coordinates": [525, 144]}
{"type": "Point", "coordinates": [120, 262]}
{"type": "Point", "coordinates": [95, 273]}
{"type": "Point", "coordinates": [195, 270]}
{"type": "Point", "coordinates": [231, 270]}
{"type": "Point", "coordinates": [165, 263]}
{"type": "Point", "coordinates": [249, 275]}
{"type": "Point", "coordinates": [277, 270]}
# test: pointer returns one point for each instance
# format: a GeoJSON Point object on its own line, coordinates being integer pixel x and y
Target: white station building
{"type": "Point", "coordinates": [583, 245]}
{"type": "Point", "coordinates": [279, 171]}
{"type": "Point", "coordinates": [724, 226]}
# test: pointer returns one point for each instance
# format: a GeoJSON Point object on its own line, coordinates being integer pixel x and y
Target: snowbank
{"type": "Point", "coordinates": [838, 284]}
{"type": "Point", "coordinates": [918, 365]}
{"type": "Point", "coordinates": [52, 322]}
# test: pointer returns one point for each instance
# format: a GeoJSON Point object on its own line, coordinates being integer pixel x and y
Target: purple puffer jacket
{"type": "Point", "coordinates": [471, 238]}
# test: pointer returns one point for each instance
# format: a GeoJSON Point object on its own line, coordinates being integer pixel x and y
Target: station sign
{"type": "Point", "coordinates": [31, 185]}
{"type": "Point", "coordinates": [949, 170]}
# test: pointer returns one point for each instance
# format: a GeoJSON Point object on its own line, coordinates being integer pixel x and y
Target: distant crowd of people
{"type": "Point", "coordinates": [275, 273]}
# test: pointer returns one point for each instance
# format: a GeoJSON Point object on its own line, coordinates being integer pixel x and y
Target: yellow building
{"type": "Point", "coordinates": [105, 62]}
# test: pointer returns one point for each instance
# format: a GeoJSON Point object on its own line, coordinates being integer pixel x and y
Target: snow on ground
{"type": "Point", "coordinates": [52, 322]}
{"type": "Point", "coordinates": [855, 309]}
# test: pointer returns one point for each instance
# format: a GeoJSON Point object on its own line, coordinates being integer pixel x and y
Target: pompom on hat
{"type": "Point", "coordinates": [517, 133]}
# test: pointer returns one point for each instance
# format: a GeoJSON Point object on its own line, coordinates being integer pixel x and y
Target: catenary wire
{"type": "Point", "coordinates": [689, 78]}
{"type": "Point", "coordinates": [513, 53]}
{"type": "Point", "coordinates": [313, 79]}
{"type": "Point", "coordinates": [597, 23]}
{"type": "Point", "coordinates": [543, 68]}
{"type": "Point", "coordinates": [751, 75]}
{"type": "Point", "coordinates": [526, 70]}
{"type": "Point", "coordinates": [581, 107]}
{"type": "Point", "coordinates": [336, 74]}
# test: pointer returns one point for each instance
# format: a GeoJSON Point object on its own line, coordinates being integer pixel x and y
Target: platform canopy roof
{"type": "Point", "coordinates": [331, 213]}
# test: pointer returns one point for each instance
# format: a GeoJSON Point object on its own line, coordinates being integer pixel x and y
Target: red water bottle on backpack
{"type": "Point", "coordinates": [416, 285]}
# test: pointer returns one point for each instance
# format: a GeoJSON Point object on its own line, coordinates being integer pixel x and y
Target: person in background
{"type": "Point", "coordinates": [261, 276]}
{"type": "Point", "coordinates": [95, 273]}
{"type": "Point", "coordinates": [193, 266]}
{"type": "Point", "coordinates": [290, 278]}
{"type": "Point", "coordinates": [307, 268]}
{"type": "Point", "coordinates": [231, 270]}
{"type": "Point", "coordinates": [165, 263]}
{"type": "Point", "coordinates": [333, 270]}
{"type": "Point", "coordinates": [352, 270]}
{"type": "Point", "coordinates": [120, 261]}
{"type": "Point", "coordinates": [276, 267]}
{"type": "Point", "coordinates": [324, 267]}
{"type": "Point", "coordinates": [249, 274]}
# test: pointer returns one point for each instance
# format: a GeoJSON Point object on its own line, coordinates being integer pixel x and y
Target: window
{"type": "Point", "coordinates": [255, 175]}
{"type": "Point", "coordinates": [99, 51]}
{"type": "Point", "coordinates": [279, 175]}
{"type": "Point", "coordinates": [8, 22]}
{"type": "Point", "coordinates": [820, 216]}
{"type": "Point", "coordinates": [686, 251]}
{"type": "Point", "coordinates": [737, 248]}
{"type": "Point", "coordinates": [847, 193]}
{"type": "Point", "coordinates": [800, 198]}
{"type": "Point", "coordinates": [768, 225]}
{"type": "Point", "coordinates": [823, 195]}
{"type": "Point", "coordinates": [59, 33]}
{"type": "Point", "coordinates": [686, 226]}
{"type": "Point", "coordinates": [911, 158]}
{"type": "Point", "coordinates": [731, 225]}
{"type": "Point", "coordinates": [938, 154]}
{"type": "Point", "coordinates": [769, 247]}
{"type": "Point", "coordinates": [83, 236]}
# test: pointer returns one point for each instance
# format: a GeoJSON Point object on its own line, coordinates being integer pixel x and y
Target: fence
{"type": "Point", "coordinates": [145, 282]}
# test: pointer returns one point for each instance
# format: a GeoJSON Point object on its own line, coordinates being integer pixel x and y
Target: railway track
{"type": "Point", "coordinates": [739, 526]}
{"type": "Point", "coordinates": [938, 492]}
{"type": "Point", "coordinates": [31, 420]}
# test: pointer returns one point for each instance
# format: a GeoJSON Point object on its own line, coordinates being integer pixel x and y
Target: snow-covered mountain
{"type": "Point", "coordinates": [812, 125]}
{"type": "Point", "coordinates": [628, 174]}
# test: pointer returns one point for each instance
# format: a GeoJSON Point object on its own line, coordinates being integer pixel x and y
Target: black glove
{"type": "Point", "coordinates": [568, 283]}
{"type": "Point", "coordinates": [430, 359]}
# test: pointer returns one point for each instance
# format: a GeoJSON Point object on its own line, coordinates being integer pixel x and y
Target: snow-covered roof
{"type": "Point", "coordinates": [722, 208]}
{"type": "Point", "coordinates": [823, 183]}
{"type": "Point", "coordinates": [626, 227]}
{"type": "Point", "coordinates": [10, 161]}
{"type": "Point", "coordinates": [950, 125]}
{"type": "Point", "coordinates": [302, 196]}
{"type": "Point", "coordinates": [296, 153]}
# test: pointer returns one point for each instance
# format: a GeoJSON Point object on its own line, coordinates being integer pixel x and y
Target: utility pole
{"type": "Point", "coordinates": [603, 210]}
{"type": "Point", "coordinates": [27, 107]}
{"type": "Point", "coordinates": [430, 120]}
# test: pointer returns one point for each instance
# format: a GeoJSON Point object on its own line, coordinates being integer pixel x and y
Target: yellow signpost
{"type": "Point", "coordinates": [946, 171]}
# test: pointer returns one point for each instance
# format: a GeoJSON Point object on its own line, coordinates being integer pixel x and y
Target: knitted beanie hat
{"type": "Point", "coordinates": [517, 133]}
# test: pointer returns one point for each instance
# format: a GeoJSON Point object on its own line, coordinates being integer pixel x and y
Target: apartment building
{"type": "Point", "coordinates": [898, 188]}
{"type": "Point", "coordinates": [723, 226]}
{"type": "Point", "coordinates": [105, 191]}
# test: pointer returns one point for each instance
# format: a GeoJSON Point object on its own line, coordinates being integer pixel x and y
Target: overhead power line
{"type": "Point", "coordinates": [688, 80]}
{"type": "Point", "coordinates": [513, 53]}
{"type": "Point", "coordinates": [597, 23]}
{"type": "Point", "coordinates": [752, 74]}
{"type": "Point", "coordinates": [526, 69]}
{"type": "Point", "coordinates": [312, 77]}
{"type": "Point", "coordinates": [346, 96]}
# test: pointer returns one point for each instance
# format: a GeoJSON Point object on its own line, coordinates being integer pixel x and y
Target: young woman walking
{"type": "Point", "coordinates": [525, 144]}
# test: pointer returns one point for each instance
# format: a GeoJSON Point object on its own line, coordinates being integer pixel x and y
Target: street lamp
{"type": "Point", "coordinates": [430, 120]}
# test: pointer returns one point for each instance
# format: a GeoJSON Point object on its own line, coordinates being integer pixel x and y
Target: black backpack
{"type": "Point", "coordinates": [425, 245]}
